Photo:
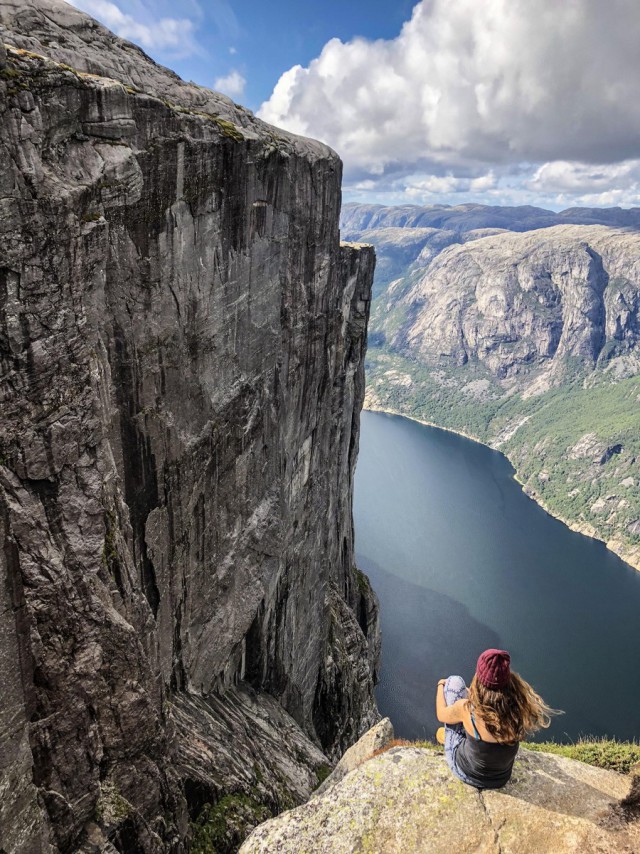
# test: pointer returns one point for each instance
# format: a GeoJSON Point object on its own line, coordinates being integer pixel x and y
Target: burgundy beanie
{"type": "Point", "coordinates": [492, 669]}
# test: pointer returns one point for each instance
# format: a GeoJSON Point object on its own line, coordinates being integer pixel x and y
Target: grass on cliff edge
{"type": "Point", "coordinates": [618, 756]}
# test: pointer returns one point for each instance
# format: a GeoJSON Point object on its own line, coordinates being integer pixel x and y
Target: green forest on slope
{"type": "Point", "coordinates": [576, 447]}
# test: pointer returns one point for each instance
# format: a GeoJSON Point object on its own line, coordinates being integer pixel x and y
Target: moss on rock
{"type": "Point", "coordinates": [221, 827]}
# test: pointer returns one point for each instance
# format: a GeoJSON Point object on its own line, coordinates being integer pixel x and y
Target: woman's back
{"type": "Point", "coordinates": [485, 724]}
{"type": "Point", "coordinates": [487, 764]}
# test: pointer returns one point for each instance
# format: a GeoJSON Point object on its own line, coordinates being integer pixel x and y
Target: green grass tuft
{"type": "Point", "coordinates": [229, 129]}
{"type": "Point", "coordinates": [607, 753]}
{"type": "Point", "coordinates": [427, 745]}
{"type": "Point", "coordinates": [603, 753]}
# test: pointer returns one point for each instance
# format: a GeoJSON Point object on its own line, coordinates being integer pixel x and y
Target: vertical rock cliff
{"type": "Point", "coordinates": [181, 340]}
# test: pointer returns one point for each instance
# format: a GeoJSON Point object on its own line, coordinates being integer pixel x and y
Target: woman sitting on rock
{"type": "Point", "coordinates": [485, 723]}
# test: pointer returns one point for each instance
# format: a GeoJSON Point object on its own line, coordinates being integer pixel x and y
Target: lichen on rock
{"type": "Point", "coordinates": [407, 800]}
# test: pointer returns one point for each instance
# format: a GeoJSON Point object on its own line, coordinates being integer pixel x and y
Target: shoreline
{"type": "Point", "coordinates": [576, 527]}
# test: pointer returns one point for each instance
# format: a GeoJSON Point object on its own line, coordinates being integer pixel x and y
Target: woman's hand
{"type": "Point", "coordinates": [442, 682]}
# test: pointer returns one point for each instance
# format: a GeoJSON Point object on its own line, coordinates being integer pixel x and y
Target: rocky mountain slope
{"type": "Point", "coordinates": [181, 342]}
{"type": "Point", "coordinates": [407, 800]}
{"type": "Point", "coordinates": [527, 340]}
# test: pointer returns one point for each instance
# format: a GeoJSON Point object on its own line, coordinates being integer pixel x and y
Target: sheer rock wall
{"type": "Point", "coordinates": [181, 343]}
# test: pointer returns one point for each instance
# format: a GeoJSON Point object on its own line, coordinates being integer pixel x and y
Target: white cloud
{"type": "Point", "coordinates": [174, 36]}
{"type": "Point", "coordinates": [233, 84]}
{"type": "Point", "coordinates": [474, 89]}
{"type": "Point", "coordinates": [567, 177]}
{"type": "Point", "coordinates": [438, 185]}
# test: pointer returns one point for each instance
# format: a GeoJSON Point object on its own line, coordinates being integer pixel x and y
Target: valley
{"type": "Point", "coordinates": [525, 340]}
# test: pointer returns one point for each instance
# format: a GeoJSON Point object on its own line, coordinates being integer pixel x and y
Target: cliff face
{"type": "Point", "coordinates": [515, 303]}
{"type": "Point", "coordinates": [182, 341]}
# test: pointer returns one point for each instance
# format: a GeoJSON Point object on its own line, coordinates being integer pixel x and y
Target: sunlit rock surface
{"type": "Point", "coordinates": [407, 800]}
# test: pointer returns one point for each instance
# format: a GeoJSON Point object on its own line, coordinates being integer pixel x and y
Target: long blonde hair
{"type": "Point", "coordinates": [512, 712]}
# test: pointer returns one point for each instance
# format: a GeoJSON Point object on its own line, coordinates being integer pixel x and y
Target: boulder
{"type": "Point", "coordinates": [373, 740]}
{"type": "Point", "coordinates": [407, 800]}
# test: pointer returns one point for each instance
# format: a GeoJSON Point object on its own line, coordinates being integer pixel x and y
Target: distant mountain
{"type": "Point", "coordinates": [357, 218]}
{"type": "Point", "coordinates": [527, 339]}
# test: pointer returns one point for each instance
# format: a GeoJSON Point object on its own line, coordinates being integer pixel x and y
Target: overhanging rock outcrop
{"type": "Point", "coordinates": [181, 341]}
{"type": "Point", "coordinates": [407, 800]}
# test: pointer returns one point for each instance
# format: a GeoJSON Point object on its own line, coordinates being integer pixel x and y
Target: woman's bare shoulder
{"type": "Point", "coordinates": [485, 735]}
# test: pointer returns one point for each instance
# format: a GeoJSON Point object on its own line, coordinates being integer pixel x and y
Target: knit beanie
{"type": "Point", "coordinates": [492, 669]}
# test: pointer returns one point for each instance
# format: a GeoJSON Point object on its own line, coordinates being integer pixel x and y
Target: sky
{"type": "Point", "coordinates": [436, 102]}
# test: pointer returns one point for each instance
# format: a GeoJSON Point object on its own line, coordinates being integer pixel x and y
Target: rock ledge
{"type": "Point", "coordinates": [406, 800]}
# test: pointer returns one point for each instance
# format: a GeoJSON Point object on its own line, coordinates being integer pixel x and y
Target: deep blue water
{"type": "Point", "coordinates": [462, 560]}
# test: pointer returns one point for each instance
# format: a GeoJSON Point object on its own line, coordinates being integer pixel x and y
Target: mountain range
{"type": "Point", "coordinates": [518, 327]}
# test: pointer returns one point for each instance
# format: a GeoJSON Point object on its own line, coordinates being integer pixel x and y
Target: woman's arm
{"type": "Point", "coordinates": [448, 714]}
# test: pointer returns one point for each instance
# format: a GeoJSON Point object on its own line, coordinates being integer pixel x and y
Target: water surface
{"type": "Point", "coordinates": [463, 560]}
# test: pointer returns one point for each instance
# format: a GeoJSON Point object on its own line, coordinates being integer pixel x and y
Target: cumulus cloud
{"type": "Point", "coordinates": [438, 185]}
{"type": "Point", "coordinates": [232, 84]}
{"type": "Point", "coordinates": [600, 185]}
{"type": "Point", "coordinates": [468, 87]}
{"type": "Point", "coordinates": [175, 36]}
{"type": "Point", "coordinates": [562, 176]}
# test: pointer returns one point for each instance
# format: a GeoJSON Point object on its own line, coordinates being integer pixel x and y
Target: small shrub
{"type": "Point", "coordinates": [322, 772]}
{"type": "Point", "coordinates": [363, 582]}
{"type": "Point", "coordinates": [223, 826]}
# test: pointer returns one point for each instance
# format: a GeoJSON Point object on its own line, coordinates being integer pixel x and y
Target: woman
{"type": "Point", "coordinates": [485, 723]}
